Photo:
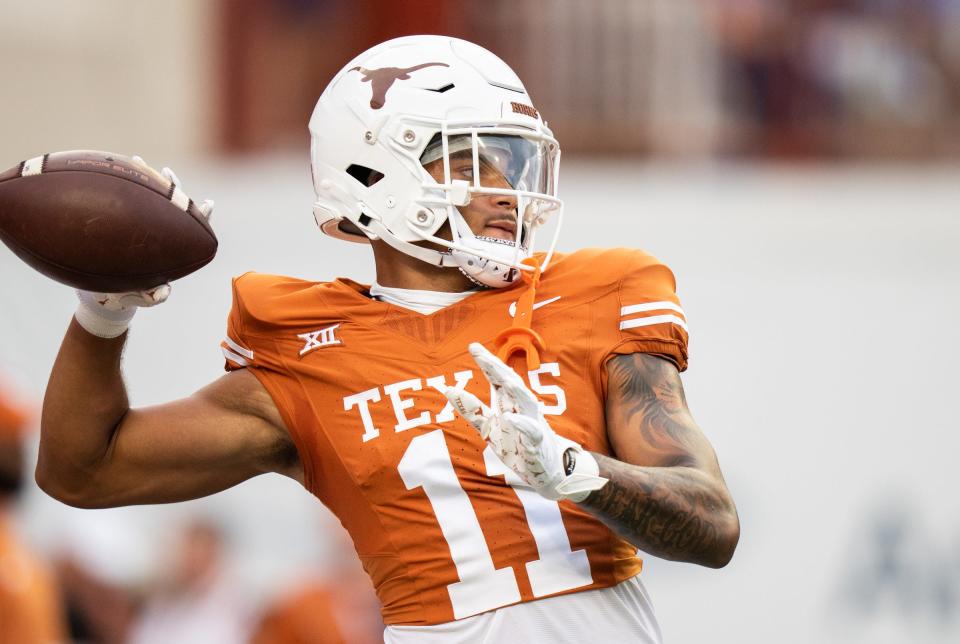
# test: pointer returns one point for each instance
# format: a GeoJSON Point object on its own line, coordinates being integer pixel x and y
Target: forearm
{"type": "Point", "coordinates": [84, 402]}
{"type": "Point", "coordinates": [677, 513]}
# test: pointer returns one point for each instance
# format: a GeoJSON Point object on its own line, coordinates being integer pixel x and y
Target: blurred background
{"type": "Point", "coordinates": [795, 163]}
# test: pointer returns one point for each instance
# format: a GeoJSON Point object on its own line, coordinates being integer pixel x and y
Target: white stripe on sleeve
{"type": "Point", "coordinates": [233, 357]}
{"type": "Point", "coordinates": [654, 319]}
{"type": "Point", "coordinates": [650, 306]}
{"type": "Point", "coordinates": [246, 353]}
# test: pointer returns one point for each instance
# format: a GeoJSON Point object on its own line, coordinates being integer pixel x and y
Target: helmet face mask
{"type": "Point", "coordinates": [440, 123]}
{"type": "Point", "coordinates": [515, 169]}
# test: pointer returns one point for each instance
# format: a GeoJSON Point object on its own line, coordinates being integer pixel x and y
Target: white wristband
{"type": "Point", "coordinates": [100, 321]}
{"type": "Point", "coordinates": [584, 479]}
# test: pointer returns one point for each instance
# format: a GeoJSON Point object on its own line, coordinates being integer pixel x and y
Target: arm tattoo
{"type": "Point", "coordinates": [672, 513]}
{"type": "Point", "coordinates": [646, 394]}
{"type": "Point", "coordinates": [669, 499]}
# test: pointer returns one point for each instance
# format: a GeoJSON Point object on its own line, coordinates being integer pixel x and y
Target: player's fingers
{"type": "Point", "coordinates": [529, 442]}
{"type": "Point", "coordinates": [170, 176]}
{"type": "Point", "coordinates": [206, 209]}
{"type": "Point", "coordinates": [158, 295]}
{"type": "Point", "coordinates": [469, 407]}
{"type": "Point", "coordinates": [523, 399]}
{"type": "Point", "coordinates": [511, 385]}
{"type": "Point", "coordinates": [492, 367]}
{"type": "Point", "coordinates": [528, 429]}
{"type": "Point", "coordinates": [505, 441]}
{"type": "Point", "coordinates": [491, 432]}
{"type": "Point", "coordinates": [501, 401]}
{"type": "Point", "coordinates": [150, 297]}
{"type": "Point", "coordinates": [514, 396]}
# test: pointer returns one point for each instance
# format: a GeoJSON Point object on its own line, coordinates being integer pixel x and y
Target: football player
{"type": "Point", "coordinates": [498, 428]}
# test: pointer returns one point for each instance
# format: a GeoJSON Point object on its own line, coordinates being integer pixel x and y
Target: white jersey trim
{"type": "Point", "coordinates": [650, 306]}
{"type": "Point", "coordinates": [246, 353]}
{"type": "Point", "coordinates": [423, 302]}
{"type": "Point", "coordinates": [233, 357]}
{"type": "Point", "coordinates": [654, 319]}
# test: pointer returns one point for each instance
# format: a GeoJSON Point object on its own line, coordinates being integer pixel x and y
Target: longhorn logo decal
{"type": "Point", "coordinates": [383, 79]}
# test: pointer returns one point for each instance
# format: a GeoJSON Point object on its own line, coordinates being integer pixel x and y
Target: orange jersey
{"type": "Point", "coordinates": [444, 530]}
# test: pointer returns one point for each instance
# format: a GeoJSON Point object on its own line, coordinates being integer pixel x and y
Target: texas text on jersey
{"type": "Point", "coordinates": [444, 530]}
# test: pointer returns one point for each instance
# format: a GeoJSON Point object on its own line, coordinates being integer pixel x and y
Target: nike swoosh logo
{"type": "Point", "coordinates": [536, 305]}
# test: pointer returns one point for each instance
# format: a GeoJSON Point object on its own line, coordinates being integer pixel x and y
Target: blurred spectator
{"type": "Point", "coordinates": [670, 78]}
{"type": "Point", "coordinates": [841, 78]}
{"type": "Point", "coordinates": [196, 601]}
{"type": "Point", "coordinates": [319, 613]}
{"type": "Point", "coordinates": [334, 606]}
{"type": "Point", "coordinates": [30, 609]}
{"type": "Point", "coordinates": [98, 609]}
{"type": "Point", "coordinates": [773, 109]}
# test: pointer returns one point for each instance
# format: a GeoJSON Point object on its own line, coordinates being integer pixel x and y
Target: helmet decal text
{"type": "Point", "coordinates": [526, 110]}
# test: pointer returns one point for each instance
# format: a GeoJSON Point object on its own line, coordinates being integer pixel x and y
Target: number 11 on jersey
{"type": "Point", "coordinates": [482, 587]}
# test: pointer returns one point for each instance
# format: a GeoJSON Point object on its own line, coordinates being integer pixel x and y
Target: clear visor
{"type": "Point", "coordinates": [494, 161]}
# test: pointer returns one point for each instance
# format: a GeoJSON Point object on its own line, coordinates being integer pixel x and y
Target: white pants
{"type": "Point", "coordinates": [621, 613]}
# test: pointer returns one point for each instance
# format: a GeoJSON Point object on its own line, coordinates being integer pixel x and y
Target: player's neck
{"type": "Point", "coordinates": [398, 270]}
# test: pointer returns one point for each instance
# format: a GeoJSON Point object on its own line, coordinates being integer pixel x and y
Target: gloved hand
{"type": "Point", "coordinates": [206, 207]}
{"type": "Point", "coordinates": [108, 315]}
{"type": "Point", "coordinates": [521, 437]}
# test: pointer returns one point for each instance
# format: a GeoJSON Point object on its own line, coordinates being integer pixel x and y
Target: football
{"type": "Point", "coordinates": [101, 222]}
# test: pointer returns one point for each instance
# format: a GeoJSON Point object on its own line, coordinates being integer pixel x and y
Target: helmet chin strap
{"type": "Point", "coordinates": [484, 272]}
{"type": "Point", "coordinates": [428, 255]}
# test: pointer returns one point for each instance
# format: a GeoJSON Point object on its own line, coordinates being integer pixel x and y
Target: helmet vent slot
{"type": "Point", "coordinates": [366, 176]}
{"type": "Point", "coordinates": [518, 90]}
{"type": "Point", "coordinates": [440, 90]}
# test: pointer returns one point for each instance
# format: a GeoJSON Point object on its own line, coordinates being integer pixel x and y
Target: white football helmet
{"type": "Point", "coordinates": [418, 100]}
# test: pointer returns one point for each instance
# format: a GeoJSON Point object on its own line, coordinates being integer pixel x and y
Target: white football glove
{"type": "Point", "coordinates": [521, 437]}
{"type": "Point", "coordinates": [107, 315]}
{"type": "Point", "coordinates": [205, 208]}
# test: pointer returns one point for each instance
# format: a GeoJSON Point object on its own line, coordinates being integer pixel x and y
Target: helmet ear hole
{"type": "Point", "coordinates": [350, 228]}
{"type": "Point", "coordinates": [366, 176]}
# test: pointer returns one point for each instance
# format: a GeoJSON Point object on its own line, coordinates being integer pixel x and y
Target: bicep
{"type": "Point", "coordinates": [222, 435]}
{"type": "Point", "coordinates": [648, 422]}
